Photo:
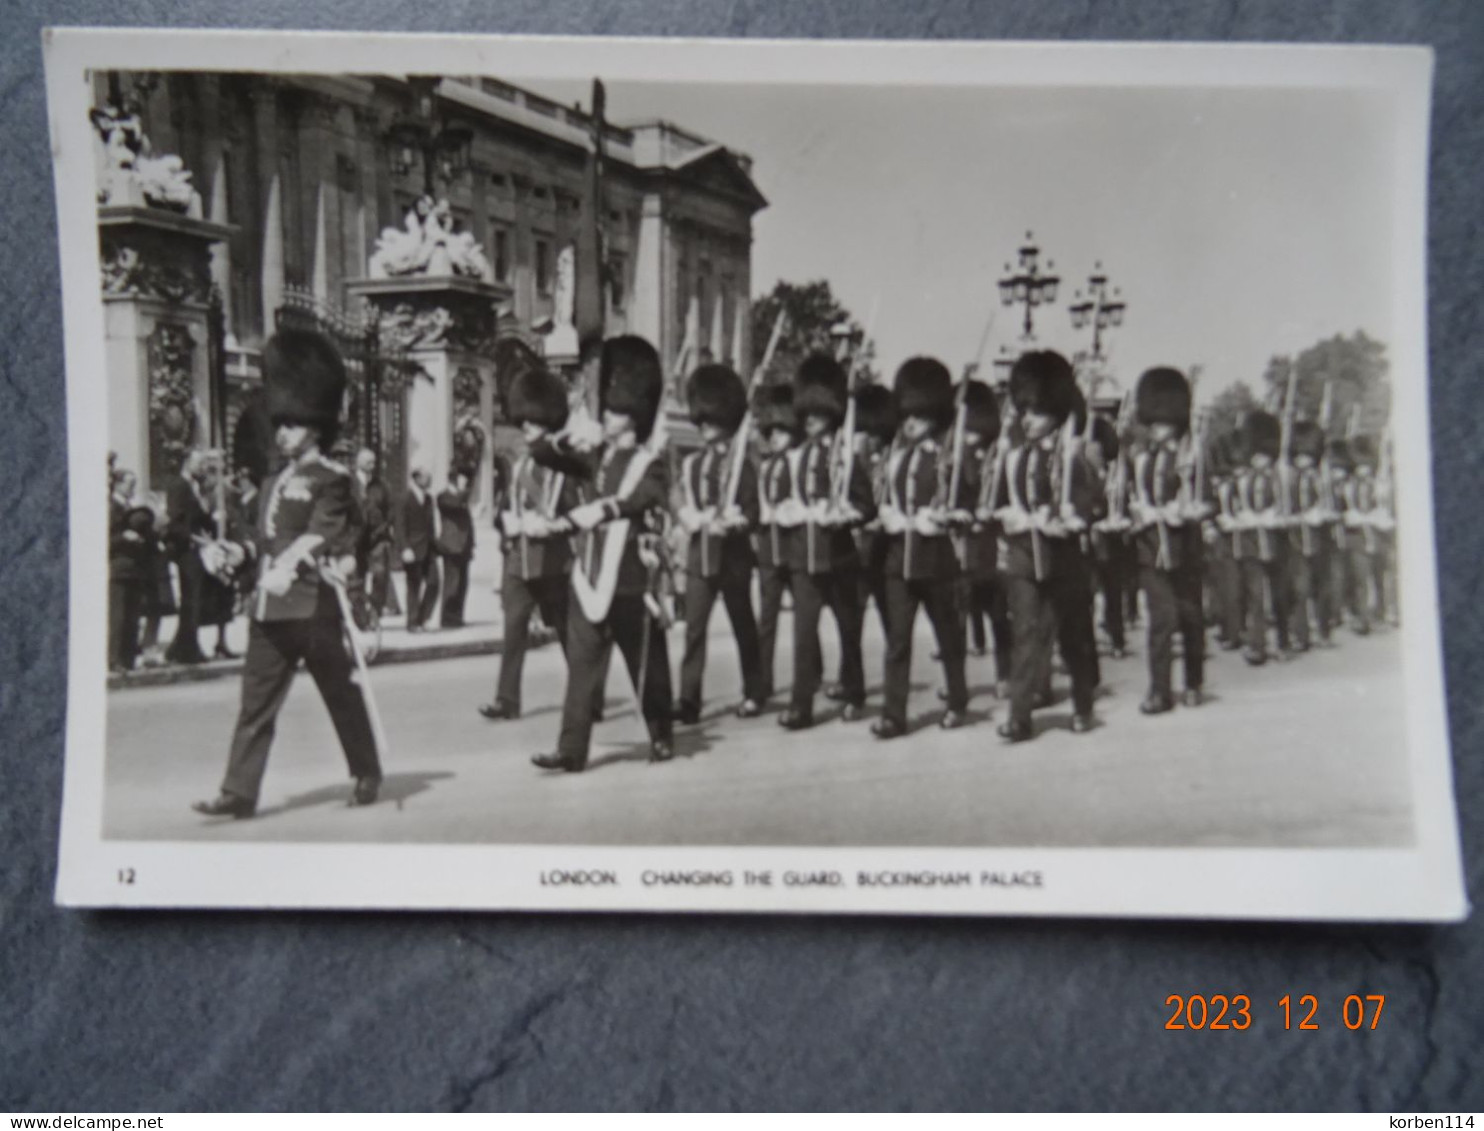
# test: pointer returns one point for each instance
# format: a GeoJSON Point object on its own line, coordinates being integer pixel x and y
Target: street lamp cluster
{"type": "Point", "coordinates": [445, 147]}
{"type": "Point", "coordinates": [1028, 286]}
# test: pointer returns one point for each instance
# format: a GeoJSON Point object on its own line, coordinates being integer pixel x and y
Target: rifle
{"type": "Point", "coordinates": [739, 441]}
{"type": "Point", "coordinates": [841, 493]}
{"type": "Point", "coordinates": [961, 410]}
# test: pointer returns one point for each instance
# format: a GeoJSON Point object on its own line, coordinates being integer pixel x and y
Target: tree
{"type": "Point", "coordinates": [1357, 372]}
{"type": "Point", "coordinates": [1229, 406]}
{"type": "Point", "coordinates": [812, 311]}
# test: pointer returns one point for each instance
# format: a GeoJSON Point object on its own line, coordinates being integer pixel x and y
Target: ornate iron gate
{"type": "Point", "coordinates": [376, 406]}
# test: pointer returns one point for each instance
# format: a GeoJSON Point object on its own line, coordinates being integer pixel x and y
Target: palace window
{"type": "Point", "coordinates": [499, 251]}
{"type": "Point", "coordinates": [543, 265]}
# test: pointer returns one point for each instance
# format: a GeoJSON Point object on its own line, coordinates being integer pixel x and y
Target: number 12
{"type": "Point", "coordinates": [1307, 1023]}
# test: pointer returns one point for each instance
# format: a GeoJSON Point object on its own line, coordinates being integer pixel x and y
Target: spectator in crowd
{"type": "Point", "coordinates": [130, 569]}
{"type": "Point", "coordinates": [374, 554]}
{"type": "Point", "coordinates": [417, 533]}
{"type": "Point", "coordinates": [455, 545]}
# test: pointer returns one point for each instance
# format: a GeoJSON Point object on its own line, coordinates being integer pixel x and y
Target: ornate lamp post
{"type": "Point", "coordinates": [1029, 287]}
{"type": "Point", "coordinates": [1098, 309]}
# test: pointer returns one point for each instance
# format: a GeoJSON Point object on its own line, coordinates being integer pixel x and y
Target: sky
{"type": "Point", "coordinates": [1238, 224]}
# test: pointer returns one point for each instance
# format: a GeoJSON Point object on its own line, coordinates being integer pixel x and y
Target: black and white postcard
{"type": "Point", "coordinates": [954, 478]}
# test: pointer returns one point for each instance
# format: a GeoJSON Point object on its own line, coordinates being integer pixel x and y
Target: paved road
{"type": "Point", "coordinates": [1306, 753]}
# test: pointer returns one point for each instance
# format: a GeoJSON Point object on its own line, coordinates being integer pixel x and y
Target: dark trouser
{"type": "Point", "coordinates": [1044, 614]}
{"type": "Point", "coordinates": [379, 579]}
{"type": "Point", "coordinates": [1112, 575]}
{"type": "Point", "coordinates": [186, 647]}
{"type": "Point", "coordinates": [274, 649]}
{"type": "Point", "coordinates": [1265, 593]}
{"type": "Point", "coordinates": [986, 595]}
{"type": "Point", "coordinates": [841, 593]}
{"type": "Point", "coordinates": [520, 597]}
{"type": "Point", "coordinates": [940, 598]}
{"type": "Point", "coordinates": [871, 586]}
{"type": "Point", "coordinates": [1174, 598]}
{"type": "Point", "coordinates": [1310, 578]}
{"type": "Point", "coordinates": [1230, 596]}
{"type": "Point", "coordinates": [422, 591]}
{"type": "Point", "coordinates": [125, 602]}
{"type": "Point", "coordinates": [772, 581]}
{"type": "Point", "coordinates": [1368, 585]}
{"type": "Point", "coordinates": [1337, 558]}
{"type": "Point", "coordinates": [589, 648]}
{"type": "Point", "coordinates": [735, 589]}
{"type": "Point", "coordinates": [455, 591]}
{"type": "Point", "coordinates": [973, 612]}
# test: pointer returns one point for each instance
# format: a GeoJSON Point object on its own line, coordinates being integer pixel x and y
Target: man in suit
{"type": "Point", "coordinates": [718, 515]}
{"type": "Point", "coordinates": [306, 536]}
{"type": "Point", "coordinates": [417, 533]}
{"type": "Point", "coordinates": [188, 521]}
{"type": "Point", "coordinates": [455, 545]}
{"type": "Point", "coordinates": [612, 575]}
{"type": "Point", "coordinates": [535, 537]}
{"type": "Point", "coordinates": [1043, 514]}
{"type": "Point", "coordinates": [921, 564]}
{"type": "Point", "coordinates": [374, 559]}
{"type": "Point", "coordinates": [826, 566]}
{"type": "Point", "coordinates": [1263, 537]}
{"type": "Point", "coordinates": [130, 570]}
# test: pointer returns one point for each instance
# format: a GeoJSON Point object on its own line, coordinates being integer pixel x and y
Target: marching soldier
{"type": "Point", "coordinates": [1111, 548]}
{"type": "Point", "coordinates": [1045, 500]}
{"type": "Point", "coordinates": [535, 541]}
{"type": "Point", "coordinates": [611, 578]}
{"type": "Point", "coordinates": [1263, 544]}
{"type": "Point", "coordinates": [1167, 510]}
{"type": "Point", "coordinates": [1369, 526]}
{"type": "Point", "coordinates": [778, 516]}
{"type": "Point", "coordinates": [306, 537]}
{"type": "Point", "coordinates": [1310, 537]}
{"type": "Point", "coordinates": [1341, 584]}
{"type": "Point", "coordinates": [982, 588]}
{"type": "Point", "coordinates": [875, 429]}
{"type": "Point", "coordinates": [1225, 540]}
{"type": "Point", "coordinates": [825, 565]}
{"type": "Point", "coordinates": [921, 565]}
{"type": "Point", "coordinates": [718, 513]}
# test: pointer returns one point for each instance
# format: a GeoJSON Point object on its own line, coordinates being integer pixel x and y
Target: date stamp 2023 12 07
{"type": "Point", "coordinates": [1303, 1012]}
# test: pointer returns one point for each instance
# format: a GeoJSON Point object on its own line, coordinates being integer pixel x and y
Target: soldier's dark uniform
{"type": "Point", "coordinates": [631, 382]}
{"type": "Point", "coordinates": [1113, 557]}
{"type": "Point", "coordinates": [1226, 543]}
{"type": "Point", "coordinates": [921, 564]}
{"type": "Point", "coordinates": [1263, 538]}
{"type": "Point", "coordinates": [310, 496]}
{"type": "Point", "coordinates": [719, 564]}
{"type": "Point", "coordinates": [825, 565]}
{"type": "Point", "coordinates": [537, 548]}
{"type": "Point", "coordinates": [1369, 535]}
{"type": "Point", "coordinates": [1046, 577]}
{"type": "Point", "coordinates": [982, 588]}
{"type": "Point", "coordinates": [876, 428]}
{"type": "Point", "coordinates": [1169, 552]}
{"type": "Point", "coordinates": [1341, 585]}
{"type": "Point", "coordinates": [773, 412]}
{"type": "Point", "coordinates": [1310, 538]}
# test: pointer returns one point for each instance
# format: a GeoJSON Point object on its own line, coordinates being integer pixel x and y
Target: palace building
{"type": "Point", "coordinates": [306, 206]}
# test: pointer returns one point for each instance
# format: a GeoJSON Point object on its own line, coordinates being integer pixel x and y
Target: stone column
{"type": "Point", "coordinates": [446, 326]}
{"type": "Point", "coordinates": [156, 282]}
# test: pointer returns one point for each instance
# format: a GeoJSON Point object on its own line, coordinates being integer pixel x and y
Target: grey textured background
{"type": "Point", "coordinates": [165, 1011]}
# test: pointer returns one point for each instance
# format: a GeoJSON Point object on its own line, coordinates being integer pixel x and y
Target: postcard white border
{"type": "Point", "coordinates": [1424, 882]}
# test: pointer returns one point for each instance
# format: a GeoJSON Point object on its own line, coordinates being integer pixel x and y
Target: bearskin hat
{"type": "Point", "coordinates": [981, 411]}
{"type": "Point", "coordinates": [512, 357]}
{"type": "Point", "coordinates": [1364, 451]}
{"type": "Point", "coordinates": [1338, 454]}
{"type": "Point", "coordinates": [1262, 434]}
{"type": "Point", "coordinates": [1162, 396]}
{"type": "Point", "coordinates": [819, 388]}
{"type": "Point", "coordinates": [304, 379]}
{"type": "Point", "coordinates": [1307, 440]}
{"type": "Point", "coordinates": [1230, 450]}
{"type": "Point", "coordinates": [876, 412]}
{"type": "Point", "coordinates": [631, 381]}
{"type": "Point", "coordinates": [140, 519]}
{"type": "Point", "coordinates": [773, 407]}
{"type": "Point", "coordinates": [537, 396]}
{"type": "Point", "coordinates": [716, 396]}
{"type": "Point", "coordinates": [1042, 381]}
{"type": "Point", "coordinates": [923, 387]}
